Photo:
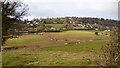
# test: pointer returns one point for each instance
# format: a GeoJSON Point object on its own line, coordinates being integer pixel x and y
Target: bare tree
{"type": "Point", "coordinates": [112, 49]}
{"type": "Point", "coordinates": [12, 12]}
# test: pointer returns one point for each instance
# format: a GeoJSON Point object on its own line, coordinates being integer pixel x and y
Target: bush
{"type": "Point", "coordinates": [96, 33]}
{"type": "Point", "coordinates": [112, 50]}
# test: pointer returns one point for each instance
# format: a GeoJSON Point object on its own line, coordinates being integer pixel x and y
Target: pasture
{"type": "Point", "coordinates": [55, 25]}
{"type": "Point", "coordinates": [69, 48]}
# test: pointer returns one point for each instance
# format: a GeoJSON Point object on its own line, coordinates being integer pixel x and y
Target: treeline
{"type": "Point", "coordinates": [78, 20]}
{"type": "Point", "coordinates": [100, 21]}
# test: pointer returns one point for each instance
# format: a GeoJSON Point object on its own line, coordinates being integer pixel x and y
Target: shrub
{"type": "Point", "coordinates": [96, 33]}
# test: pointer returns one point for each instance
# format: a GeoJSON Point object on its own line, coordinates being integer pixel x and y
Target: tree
{"type": "Point", "coordinates": [12, 12]}
{"type": "Point", "coordinates": [112, 49]}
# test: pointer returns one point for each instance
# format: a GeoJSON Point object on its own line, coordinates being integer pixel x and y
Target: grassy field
{"type": "Point", "coordinates": [55, 25]}
{"type": "Point", "coordinates": [79, 28]}
{"type": "Point", "coordinates": [70, 48]}
{"type": "Point", "coordinates": [76, 35]}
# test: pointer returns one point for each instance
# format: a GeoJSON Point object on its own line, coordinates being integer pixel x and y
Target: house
{"type": "Point", "coordinates": [55, 22]}
{"type": "Point", "coordinates": [91, 26]}
{"type": "Point", "coordinates": [108, 30]}
{"type": "Point", "coordinates": [72, 22]}
{"type": "Point", "coordinates": [53, 28]}
{"type": "Point", "coordinates": [96, 29]}
{"type": "Point", "coordinates": [80, 25]}
{"type": "Point", "coordinates": [83, 26]}
{"type": "Point", "coordinates": [28, 23]}
{"type": "Point", "coordinates": [34, 22]}
{"type": "Point", "coordinates": [31, 25]}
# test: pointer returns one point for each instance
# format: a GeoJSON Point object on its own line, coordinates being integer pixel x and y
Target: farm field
{"type": "Point", "coordinates": [69, 48]}
{"type": "Point", "coordinates": [58, 33]}
{"type": "Point", "coordinates": [55, 25]}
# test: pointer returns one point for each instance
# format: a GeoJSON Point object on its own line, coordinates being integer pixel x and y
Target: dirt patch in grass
{"type": "Point", "coordinates": [13, 48]}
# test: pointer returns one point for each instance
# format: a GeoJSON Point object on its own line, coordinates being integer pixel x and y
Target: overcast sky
{"type": "Point", "coordinates": [81, 8]}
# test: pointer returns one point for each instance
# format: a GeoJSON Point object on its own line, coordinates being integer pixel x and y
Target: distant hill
{"type": "Point", "coordinates": [84, 20]}
{"type": "Point", "coordinates": [71, 23]}
{"type": "Point", "coordinates": [100, 21]}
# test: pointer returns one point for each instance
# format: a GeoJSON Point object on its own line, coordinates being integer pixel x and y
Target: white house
{"type": "Point", "coordinates": [31, 24]}
{"type": "Point", "coordinates": [28, 23]}
{"type": "Point", "coordinates": [54, 22]}
{"type": "Point", "coordinates": [80, 25]}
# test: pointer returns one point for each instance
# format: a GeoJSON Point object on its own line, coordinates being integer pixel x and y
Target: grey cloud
{"type": "Point", "coordinates": [53, 8]}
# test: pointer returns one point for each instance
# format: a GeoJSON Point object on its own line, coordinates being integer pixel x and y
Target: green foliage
{"type": "Point", "coordinates": [68, 26]}
{"type": "Point", "coordinates": [40, 28]}
{"type": "Point", "coordinates": [55, 25]}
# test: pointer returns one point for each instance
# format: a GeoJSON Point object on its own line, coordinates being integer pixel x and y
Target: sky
{"type": "Point", "coordinates": [107, 9]}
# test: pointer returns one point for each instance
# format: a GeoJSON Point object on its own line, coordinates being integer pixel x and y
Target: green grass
{"type": "Point", "coordinates": [82, 47]}
{"type": "Point", "coordinates": [40, 50]}
{"type": "Point", "coordinates": [29, 41]}
{"type": "Point", "coordinates": [45, 40]}
{"type": "Point", "coordinates": [66, 55]}
{"type": "Point", "coordinates": [79, 28]}
{"type": "Point", "coordinates": [77, 35]}
{"type": "Point", "coordinates": [55, 25]}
